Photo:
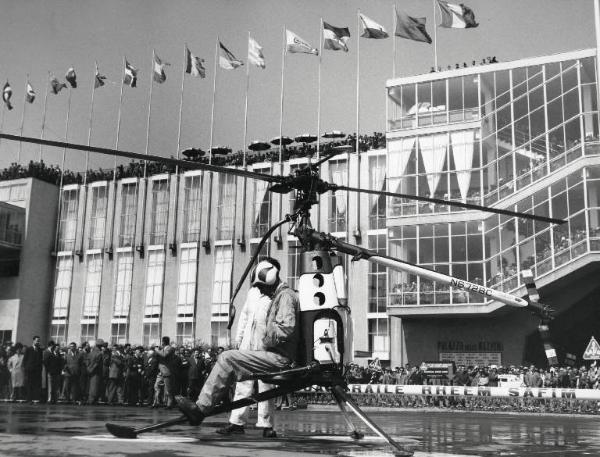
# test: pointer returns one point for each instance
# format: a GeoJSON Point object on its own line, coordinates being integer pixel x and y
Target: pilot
{"type": "Point", "coordinates": [251, 330]}
{"type": "Point", "coordinates": [278, 351]}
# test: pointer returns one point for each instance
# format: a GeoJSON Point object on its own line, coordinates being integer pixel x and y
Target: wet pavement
{"type": "Point", "coordinates": [65, 430]}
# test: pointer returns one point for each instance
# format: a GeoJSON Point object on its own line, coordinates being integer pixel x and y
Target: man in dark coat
{"type": "Point", "coordinates": [84, 377]}
{"type": "Point", "coordinates": [72, 374]}
{"type": "Point", "coordinates": [33, 363]}
{"type": "Point", "coordinates": [94, 370]}
{"type": "Point", "coordinates": [195, 374]}
{"type": "Point", "coordinates": [133, 377]}
{"type": "Point", "coordinates": [115, 377]}
{"type": "Point", "coordinates": [53, 364]}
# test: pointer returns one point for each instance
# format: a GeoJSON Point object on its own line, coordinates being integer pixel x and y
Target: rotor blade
{"type": "Point", "coordinates": [504, 212]}
{"type": "Point", "coordinates": [153, 158]}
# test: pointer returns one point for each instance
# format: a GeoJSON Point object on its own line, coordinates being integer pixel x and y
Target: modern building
{"type": "Point", "coordinates": [139, 258]}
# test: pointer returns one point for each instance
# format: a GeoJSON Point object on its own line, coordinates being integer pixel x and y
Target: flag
{"type": "Point", "coordinates": [29, 93]}
{"type": "Point", "coordinates": [130, 75]}
{"type": "Point", "coordinates": [335, 38]}
{"type": "Point", "coordinates": [255, 54]}
{"type": "Point", "coordinates": [456, 16]}
{"type": "Point", "coordinates": [412, 28]}
{"type": "Point", "coordinates": [293, 43]}
{"type": "Point", "coordinates": [159, 70]}
{"type": "Point", "coordinates": [71, 77]}
{"type": "Point", "coordinates": [194, 65]}
{"type": "Point", "coordinates": [57, 86]}
{"type": "Point", "coordinates": [227, 60]}
{"type": "Point", "coordinates": [6, 94]}
{"type": "Point", "coordinates": [372, 29]}
{"type": "Point", "coordinates": [98, 79]}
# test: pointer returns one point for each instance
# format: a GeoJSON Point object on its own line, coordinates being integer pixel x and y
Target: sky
{"type": "Point", "coordinates": [41, 36]}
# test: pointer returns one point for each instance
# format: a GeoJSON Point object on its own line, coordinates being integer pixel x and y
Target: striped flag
{"type": "Point", "coordinates": [227, 60]}
{"type": "Point", "coordinates": [56, 85]}
{"type": "Point", "coordinates": [372, 29]}
{"type": "Point", "coordinates": [7, 94]}
{"type": "Point", "coordinates": [335, 38]}
{"type": "Point", "coordinates": [29, 93]}
{"type": "Point", "coordinates": [194, 65]}
{"type": "Point", "coordinates": [456, 16]}
{"type": "Point", "coordinates": [71, 77]}
{"type": "Point", "coordinates": [130, 75]}
{"type": "Point", "coordinates": [98, 79]}
{"type": "Point", "coordinates": [255, 54]}
{"type": "Point", "coordinates": [159, 70]}
{"type": "Point", "coordinates": [295, 44]}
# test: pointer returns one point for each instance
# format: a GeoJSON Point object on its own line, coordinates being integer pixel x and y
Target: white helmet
{"type": "Point", "coordinates": [265, 273]}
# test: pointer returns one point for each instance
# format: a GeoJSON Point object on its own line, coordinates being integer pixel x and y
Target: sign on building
{"type": "Point", "coordinates": [592, 352]}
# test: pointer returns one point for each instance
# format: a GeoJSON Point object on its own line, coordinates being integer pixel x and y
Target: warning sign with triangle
{"type": "Point", "coordinates": [592, 352]}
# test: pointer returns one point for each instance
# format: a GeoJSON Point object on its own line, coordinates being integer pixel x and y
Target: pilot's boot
{"type": "Point", "coordinates": [189, 410]}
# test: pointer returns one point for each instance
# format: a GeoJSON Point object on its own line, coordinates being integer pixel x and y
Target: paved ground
{"type": "Point", "coordinates": [39, 430]}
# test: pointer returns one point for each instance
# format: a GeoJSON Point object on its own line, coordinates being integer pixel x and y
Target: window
{"type": "Point", "coordinates": [62, 289]}
{"type": "Point", "coordinates": [377, 181]}
{"type": "Point", "coordinates": [185, 333]}
{"type": "Point", "coordinates": [261, 207]}
{"type": "Point", "coordinates": [154, 283]}
{"type": "Point", "coordinates": [379, 339]}
{"type": "Point", "coordinates": [98, 217]}
{"type": "Point", "coordinates": [151, 335]}
{"type": "Point", "coordinates": [88, 332]}
{"type": "Point", "coordinates": [377, 277]}
{"type": "Point", "coordinates": [160, 211]}
{"type": "Point", "coordinates": [128, 214]}
{"type": "Point", "coordinates": [226, 207]}
{"type": "Point", "coordinates": [222, 282]}
{"type": "Point", "coordinates": [5, 336]}
{"type": "Point", "coordinates": [186, 294]}
{"type": "Point", "coordinates": [58, 333]}
{"type": "Point", "coordinates": [338, 174]}
{"type": "Point", "coordinates": [68, 220]}
{"type": "Point", "coordinates": [118, 334]}
{"type": "Point", "coordinates": [192, 208]}
{"type": "Point", "coordinates": [219, 333]}
{"type": "Point", "coordinates": [93, 280]}
{"type": "Point", "coordinates": [124, 277]}
{"type": "Point", "coordinates": [293, 266]}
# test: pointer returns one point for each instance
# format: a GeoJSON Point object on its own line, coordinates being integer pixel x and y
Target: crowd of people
{"type": "Point", "coordinates": [98, 373]}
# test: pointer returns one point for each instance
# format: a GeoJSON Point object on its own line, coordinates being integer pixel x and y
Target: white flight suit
{"type": "Point", "coordinates": [250, 332]}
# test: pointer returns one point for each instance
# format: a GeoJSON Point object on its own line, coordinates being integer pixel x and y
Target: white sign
{"type": "Point", "coordinates": [592, 352]}
{"type": "Point", "coordinates": [480, 359]}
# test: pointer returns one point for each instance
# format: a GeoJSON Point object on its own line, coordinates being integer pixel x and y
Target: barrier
{"type": "Point", "coordinates": [466, 391]}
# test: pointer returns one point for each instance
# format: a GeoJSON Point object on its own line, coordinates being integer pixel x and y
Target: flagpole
{"type": "Point", "coordinates": [149, 112]}
{"type": "Point", "coordinates": [64, 154]}
{"type": "Point", "coordinates": [394, 42]}
{"type": "Point", "coordinates": [283, 54]}
{"type": "Point", "coordinates": [597, 27]}
{"type": "Point", "coordinates": [435, 59]}
{"type": "Point", "coordinates": [357, 137]}
{"type": "Point", "coordinates": [22, 120]}
{"type": "Point", "coordinates": [319, 91]}
{"type": "Point", "coordinates": [89, 139]}
{"type": "Point", "coordinates": [212, 125]}
{"type": "Point", "coordinates": [44, 117]}
{"type": "Point", "coordinates": [174, 244]}
{"type": "Point", "coordinates": [119, 118]}
{"type": "Point", "coordinates": [244, 148]}
{"type": "Point", "coordinates": [2, 120]}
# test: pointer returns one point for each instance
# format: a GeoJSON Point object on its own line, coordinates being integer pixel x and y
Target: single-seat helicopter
{"type": "Point", "coordinates": [323, 302]}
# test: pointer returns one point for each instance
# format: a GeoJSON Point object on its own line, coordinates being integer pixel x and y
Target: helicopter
{"type": "Point", "coordinates": [324, 308]}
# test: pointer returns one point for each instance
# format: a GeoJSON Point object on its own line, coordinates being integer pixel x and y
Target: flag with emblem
{"type": "Point", "coordinates": [295, 44]}
{"type": "Point", "coordinates": [412, 28]}
{"type": "Point", "coordinates": [56, 85]}
{"type": "Point", "coordinates": [335, 38]}
{"type": "Point", "coordinates": [159, 70]}
{"type": "Point", "coordinates": [98, 78]}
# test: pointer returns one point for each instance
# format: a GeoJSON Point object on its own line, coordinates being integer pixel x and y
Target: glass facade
{"type": "Point", "coordinates": [67, 227]}
{"type": "Point", "coordinates": [261, 207]}
{"type": "Point", "coordinates": [97, 216]}
{"type": "Point", "coordinates": [160, 211]}
{"type": "Point", "coordinates": [338, 174]}
{"type": "Point", "coordinates": [226, 207]}
{"type": "Point", "coordinates": [192, 208]}
{"type": "Point", "coordinates": [490, 136]}
{"type": "Point", "coordinates": [129, 198]}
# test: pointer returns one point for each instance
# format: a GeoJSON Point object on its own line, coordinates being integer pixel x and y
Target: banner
{"type": "Point", "coordinates": [466, 391]}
